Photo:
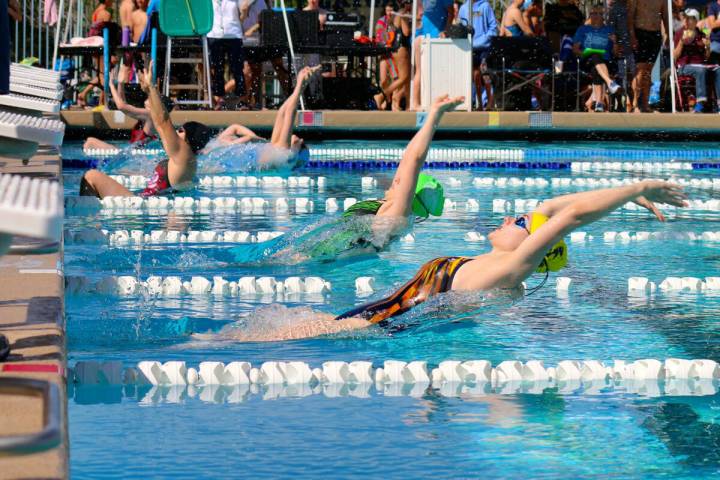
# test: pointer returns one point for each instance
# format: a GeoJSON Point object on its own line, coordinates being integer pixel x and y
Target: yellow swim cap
{"type": "Point", "coordinates": [557, 257]}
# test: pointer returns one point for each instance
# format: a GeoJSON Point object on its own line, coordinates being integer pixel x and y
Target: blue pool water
{"type": "Point", "coordinates": [138, 432]}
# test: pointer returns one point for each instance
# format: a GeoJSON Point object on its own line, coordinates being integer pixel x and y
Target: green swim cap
{"type": "Point", "coordinates": [429, 197]}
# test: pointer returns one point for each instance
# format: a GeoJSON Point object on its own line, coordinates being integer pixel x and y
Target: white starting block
{"type": "Point", "coordinates": [31, 207]}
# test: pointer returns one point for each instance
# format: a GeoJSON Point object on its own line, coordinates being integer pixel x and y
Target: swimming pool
{"type": "Point", "coordinates": [185, 432]}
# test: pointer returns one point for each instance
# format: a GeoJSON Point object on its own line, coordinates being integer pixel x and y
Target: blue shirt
{"type": "Point", "coordinates": [714, 9]}
{"type": "Point", "coordinates": [597, 38]}
{"type": "Point", "coordinates": [435, 16]}
{"type": "Point", "coordinates": [484, 22]}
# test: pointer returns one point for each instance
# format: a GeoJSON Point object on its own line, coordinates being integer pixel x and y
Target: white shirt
{"type": "Point", "coordinates": [226, 19]}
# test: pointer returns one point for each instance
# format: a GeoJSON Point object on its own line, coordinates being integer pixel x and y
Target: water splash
{"type": "Point", "coordinates": [329, 240]}
{"type": "Point", "coordinates": [277, 322]}
{"type": "Point", "coordinates": [241, 158]}
{"type": "Point", "coordinates": [127, 163]}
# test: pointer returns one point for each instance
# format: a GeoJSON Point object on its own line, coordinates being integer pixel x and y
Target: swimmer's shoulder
{"type": "Point", "coordinates": [483, 272]}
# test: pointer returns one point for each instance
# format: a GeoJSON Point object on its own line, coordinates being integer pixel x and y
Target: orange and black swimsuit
{"type": "Point", "coordinates": [436, 276]}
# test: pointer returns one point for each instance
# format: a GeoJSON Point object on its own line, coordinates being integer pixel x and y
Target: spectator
{"type": "Point", "coordinates": [399, 89]}
{"type": "Point", "coordinates": [691, 49]}
{"type": "Point", "coordinates": [313, 5]}
{"type": "Point", "coordinates": [561, 19]}
{"type": "Point", "coordinates": [713, 23]}
{"type": "Point", "coordinates": [101, 19]}
{"type": "Point", "coordinates": [644, 23]}
{"type": "Point", "coordinates": [385, 35]}
{"type": "Point", "coordinates": [484, 28]}
{"type": "Point", "coordinates": [256, 58]}
{"type": "Point", "coordinates": [127, 7]}
{"type": "Point", "coordinates": [139, 19]}
{"type": "Point", "coordinates": [437, 16]}
{"type": "Point", "coordinates": [534, 17]}
{"type": "Point", "coordinates": [226, 39]}
{"type": "Point", "coordinates": [594, 43]}
{"type": "Point", "coordinates": [101, 14]}
{"type": "Point", "coordinates": [617, 20]}
{"type": "Point", "coordinates": [513, 21]}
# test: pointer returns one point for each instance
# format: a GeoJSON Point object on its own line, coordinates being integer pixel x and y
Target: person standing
{"type": "Point", "coordinates": [617, 20]}
{"type": "Point", "coordinates": [385, 35]}
{"type": "Point", "coordinates": [226, 40]}
{"type": "Point", "coordinates": [436, 17]}
{"type": "Point", "coordinates": [485, 27]}
{"type": "Point", "coordinates": [645, 21]}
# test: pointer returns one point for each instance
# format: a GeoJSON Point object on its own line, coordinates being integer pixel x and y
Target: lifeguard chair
{"type": "Point", "coordinates": [186, 21]}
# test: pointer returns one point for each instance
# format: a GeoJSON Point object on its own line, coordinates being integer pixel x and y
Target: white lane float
{"type": "Point", "coordinates": [121, 238]}
{"type": "Point", "coordinates": [647, 377]}
{"type": "Point", "coordinates": [127, 285]}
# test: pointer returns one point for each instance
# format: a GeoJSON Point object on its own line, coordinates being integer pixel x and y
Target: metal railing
{"type": "Point", "coordinates": [47, 438]}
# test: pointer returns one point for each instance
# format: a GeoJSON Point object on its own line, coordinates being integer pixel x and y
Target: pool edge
{"type": "Point", "coordinates": [33, 319]}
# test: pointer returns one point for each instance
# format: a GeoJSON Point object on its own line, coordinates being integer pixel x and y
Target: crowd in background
{"type": "Point", "coordinates": [616, 47]}
{"type": "Point", "coordinates": [620, 50]}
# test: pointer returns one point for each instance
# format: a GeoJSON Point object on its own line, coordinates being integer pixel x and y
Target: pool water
{"type": "Point", "coordinates": [139, 432]}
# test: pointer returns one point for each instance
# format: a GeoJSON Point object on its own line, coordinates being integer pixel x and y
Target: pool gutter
{"type": "Point", "coordinates": [329, 124]}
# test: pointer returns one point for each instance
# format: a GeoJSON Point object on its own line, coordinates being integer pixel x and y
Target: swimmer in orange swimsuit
{"type": "Point", "coordinates": [520, 246]}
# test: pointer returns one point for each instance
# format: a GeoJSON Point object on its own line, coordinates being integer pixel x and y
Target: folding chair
{"type": "Point", "coordinates": [522, 64]}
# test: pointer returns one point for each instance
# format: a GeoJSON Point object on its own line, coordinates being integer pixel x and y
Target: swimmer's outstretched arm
{"type": "Point", "coordinates": [118, 95]}
{"type": "Point", "coordinates": [582, 210]}
{"type": "Point", "coordinates": [400, 194]}
{"type": "Point", "coordinates": [178, 151]}
{"type": "Point", "coordinates": [237, 133]}
{"type": "Point", "coordinates": [554, 205]}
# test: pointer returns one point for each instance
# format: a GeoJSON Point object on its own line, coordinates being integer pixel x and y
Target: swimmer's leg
{"type": "Point", "coordinates": [95, 183]}
{"type": "Point", "coordinates": [324, 325]}
{"type": "Point", "coordinates": [285, 118]}
{"type": "Point", "coordinates": [96, 143]}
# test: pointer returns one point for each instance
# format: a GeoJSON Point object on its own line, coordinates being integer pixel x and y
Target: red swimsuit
{"type": "Point", "coordinates": [138, 135]}
{"type": "Point", "coordinates": [159, 183]}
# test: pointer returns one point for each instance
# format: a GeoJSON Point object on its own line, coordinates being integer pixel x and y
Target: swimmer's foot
{"type": "Point", "coordinates": [296, 143]}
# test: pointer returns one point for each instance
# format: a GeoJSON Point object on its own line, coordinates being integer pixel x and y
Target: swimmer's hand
{"type": "Point", "coordinates": [304, 76]}
{"type": "Point", "coordinates": [657, 191]}
{"type": "Point", "coordinates": [645, 203]}
{"type": "Point", "coordinates": [444, 103]}
{"type": "Point", "coordinates": [145, 77]}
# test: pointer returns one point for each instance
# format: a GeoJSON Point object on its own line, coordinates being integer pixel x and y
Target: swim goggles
{"type": "Point", "coordinates": [522, 222]}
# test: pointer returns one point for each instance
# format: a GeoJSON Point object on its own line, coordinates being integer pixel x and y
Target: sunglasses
{"type": "Point", "coordinates": [522, 222]}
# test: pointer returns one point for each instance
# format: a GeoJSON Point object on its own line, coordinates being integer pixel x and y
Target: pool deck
{"type": "Point", "coordinates": [32, 318]}
{"type": "Point", "coordinates": [341, 123]}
